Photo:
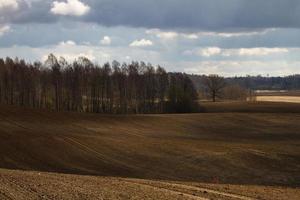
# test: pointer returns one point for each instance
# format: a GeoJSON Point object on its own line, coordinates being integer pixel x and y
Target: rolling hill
{"type": "Point", "coordinates": [235, 148]}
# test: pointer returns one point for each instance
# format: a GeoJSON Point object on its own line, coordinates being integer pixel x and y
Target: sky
{"type": "Point", "coordinates": [226, 37]}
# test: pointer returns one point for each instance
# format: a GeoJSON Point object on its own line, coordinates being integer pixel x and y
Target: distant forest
{"type": "Point", "coordinates": [83, 86]}
{"type": "Point", "coordinates": [256, 82]}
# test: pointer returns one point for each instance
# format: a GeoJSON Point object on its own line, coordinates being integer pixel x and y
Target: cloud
{"type": "Point", "coordinates": [71, 8]}
{"type": "Point", "coordinates": [162, 34]}
{"type": "Point", "coordinates": [253, 52]}
{"type": "Point", "coordinates": [98, 54]}
{"type": "Point", "coordinates": [210, 51]}
{"type": "Point", "coordinates": [68, 50]}
{"type": "Point", "coordinates": [242, 68]}
{"type": "Point", "coordinates": [214, 15]}
{"type": "Point", "coordinates": [236, 34]}
{"type": "Point", "coordinates": [191, 36]}
{"type": "Point", "coordinates": [67, 43]}
{"type": "Point", "coordinates": [70, 57]}
{"type": "Point", "coordinates": [168, 35]}
{"type": "Point", "coordinates": [171, 35]}
{"type": "Point", "coordinates": [106, 40]}
{"type": "Point", "coordinates": [8, 5]}
{"type": "Point", "coordinates": [222, 16]}
{"type": "Point", "coordinates": [141, 43]}
{"type": "Point", "coordinates": [283, 64]}
{"type": "Point", "coordinates": [261, 51]}
{"type": "Point", "coordinates": [4, 29]}
{"type": "Point", "coordinates": [240, 52]}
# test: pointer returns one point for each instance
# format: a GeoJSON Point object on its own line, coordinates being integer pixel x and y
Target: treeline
{"type": "Point", "coordinates": [291, 82]}
{"type": "Point", "coordinates": [87, 87]}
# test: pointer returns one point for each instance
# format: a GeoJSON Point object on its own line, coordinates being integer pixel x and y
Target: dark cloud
{"type": "Point", "coordinates": [36, 12]}
{"type": "Point", "coordinates": [176, 14]}
{"type": "Point", "coordinates": [196, 14]}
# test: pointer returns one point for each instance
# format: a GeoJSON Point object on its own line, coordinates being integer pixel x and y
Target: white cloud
{"type": "Point", "coordinates": [170, 35]}
{"type": "Point", "coordinates": [261, 51]}
{"type": "Point", "coordinates": [69, 50]}
{"type": "Point", "coordinates": [231, 66]}
{"type": "Point", "coordinates": [141, 43]}
{"type": "Point", "coordinates": [4, 29]}
{"type": "Point", "coordinates": [248, 52]}
{"type": "Point", "coordinates": [71, 7]}
{"type": "Point", "coordinates": [70, 57]}
{"type": "Point", "coordinates": [236, 34]}
{"type": "Point", "coordinates": [106, 40]}
{"type": "Point", "coordinates": [8, 5]}
{"type": "Point", "coordinates": [242, 68]}
{"type": "Point", "coordinates": [210, 51]}
{"type": "Point", "coordinates": [67, 43]}
{"type": "Point", "coordinates": [191, 36]}
{"type": "Point", "coordinates": [96, 53]}
{"type": "Point", "coordinates": [162, 35]}
{"type": "Point", "coordinates": [167, 35]}
{"type": "Point", "coordinates": [253, 52]}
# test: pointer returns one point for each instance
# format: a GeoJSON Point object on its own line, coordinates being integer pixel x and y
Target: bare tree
{"type": "Point", "coordinates": [53, 63]}
{"type": "Point", "coordinates": [214, 85]}
{"type": "Point", "coordinates": [162, 87]}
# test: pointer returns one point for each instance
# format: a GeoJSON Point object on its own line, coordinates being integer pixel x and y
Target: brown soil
{"type": "Point", "coordinates": [238, 152]}
{"type": "Point", "coordinates": [36, 185]}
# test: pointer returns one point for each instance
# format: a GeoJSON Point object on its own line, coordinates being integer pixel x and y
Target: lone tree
{"type": "Point", "coordinates": [214, 85]}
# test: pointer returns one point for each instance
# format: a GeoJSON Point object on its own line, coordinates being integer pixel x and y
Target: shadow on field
{"type": "Point", "coordinates": [250, 107]}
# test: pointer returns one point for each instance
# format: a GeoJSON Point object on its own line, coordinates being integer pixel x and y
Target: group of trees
{"type": "Point", "coordinates": [86, 87]}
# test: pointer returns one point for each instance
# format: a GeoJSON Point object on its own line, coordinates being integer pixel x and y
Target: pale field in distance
{"type": "Point", "coordinates": [278, 96]}
{"type": "Point", "coordinates": [288, 99]}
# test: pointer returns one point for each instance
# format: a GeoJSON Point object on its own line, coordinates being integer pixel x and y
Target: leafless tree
{"type": "Point", "coordinates": [214, 85]}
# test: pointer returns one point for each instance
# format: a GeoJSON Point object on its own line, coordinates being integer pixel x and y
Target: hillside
{"type": "Point", "coordinates": [229, 148]}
